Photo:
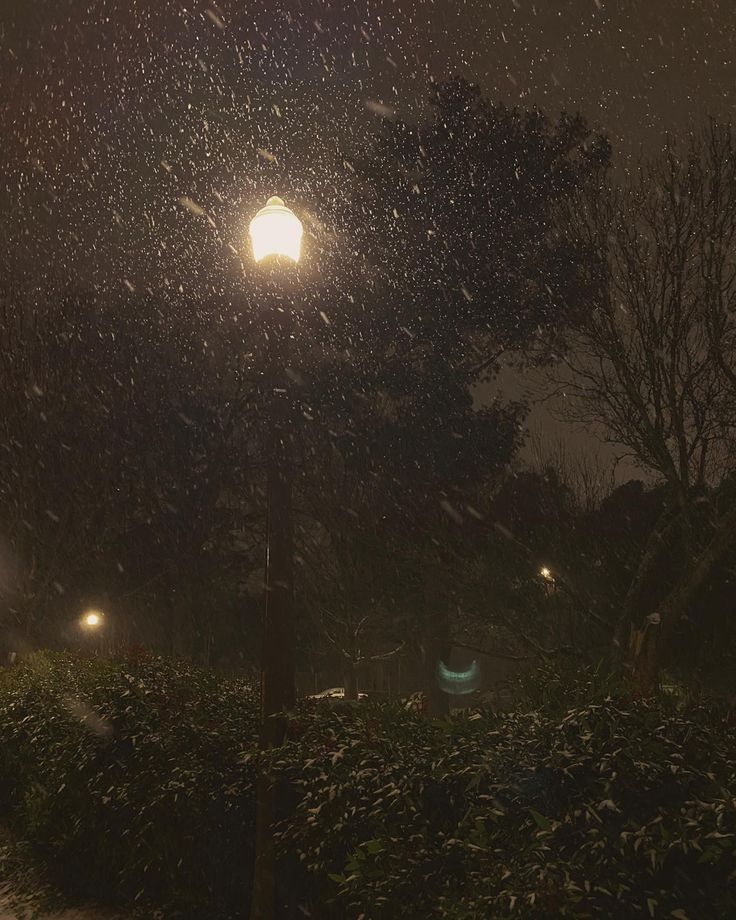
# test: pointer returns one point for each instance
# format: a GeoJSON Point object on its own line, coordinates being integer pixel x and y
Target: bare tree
{"type": "Point", "coordinates": [589, 477]}
{"type": "Point", "coordinates": [351, 581]}
{"type": "Point", "coordinates": [653, 361]}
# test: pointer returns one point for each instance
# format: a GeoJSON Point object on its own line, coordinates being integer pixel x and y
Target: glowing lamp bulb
{"type": "Point", "coordinates": [546, 573]}
{"type": "Point", "coordinates": [276, 231]}
{"type": "Point", "coordinates": [92, 619]}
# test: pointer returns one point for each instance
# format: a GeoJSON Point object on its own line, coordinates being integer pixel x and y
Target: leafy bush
{"type": "Point", "coordinates": [555, 687]}
{"type": "Point", "coordinates": [131, 779]}
{"type": "Point", "coordinates": [613, 810]}
{"type": "Point", "coordinates": [135, 782]}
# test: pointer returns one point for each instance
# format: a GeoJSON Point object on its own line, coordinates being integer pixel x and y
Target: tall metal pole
{"type": "Point", "coordinates": [278, 692]}
{"type": "Point", "coordinates": [276, 234]}
{"type": "Point", "coordinates": [277, 677]}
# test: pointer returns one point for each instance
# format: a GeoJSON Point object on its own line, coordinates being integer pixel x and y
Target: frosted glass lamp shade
{"type": "Point", "coordinates": [276, 231]}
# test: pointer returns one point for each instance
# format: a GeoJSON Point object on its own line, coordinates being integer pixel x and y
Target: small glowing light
{"type": "Point", "coordinates": [458, 683]}
{"type": "Point", "coordinates": [276, 231]}
{"type": "Point", "coordinates": [546, 573]}
{"type": "Point", "coordinates": [92, 619]}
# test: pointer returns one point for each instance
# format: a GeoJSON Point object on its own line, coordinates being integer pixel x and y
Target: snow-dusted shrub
{"type": "Point", "coordinates": [129, 779]}
{"type": "Point", "coordinates": [612, 809]}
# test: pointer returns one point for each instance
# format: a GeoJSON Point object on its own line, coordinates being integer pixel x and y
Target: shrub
{"type": "Point", "coordinates": [135, 782]}
{"type": "Point", "coordinates": [554, 687]}
{"type": "Point", "coordinates": [612, 810]}
{"type": "Point", "coordinates": [131, 780]}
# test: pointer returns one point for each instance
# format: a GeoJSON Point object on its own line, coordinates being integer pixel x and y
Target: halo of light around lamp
{"type": "Point", "coordinates": [92, 619]}
{"type": "Point", "coordinates": [276, 231]}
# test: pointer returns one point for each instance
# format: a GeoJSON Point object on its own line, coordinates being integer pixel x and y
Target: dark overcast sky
{"type": "Point", "coordinates": [635, 66]}
{"type": "Point", "coordinates": [95, 96]}
{"type": "Point", "coordinates": [82, 83]}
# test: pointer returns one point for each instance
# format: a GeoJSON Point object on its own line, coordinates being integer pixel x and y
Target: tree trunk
{"type": "Point", "coordinates": [436, 648]}
{"type": "Point", "coordinates": [643, 657]}
{"type": "Point", "coordinates": [646, 642]}
{"type": "Point", "coordinates": [631, 610]}
{"type": "Point", "coordinates": [351, 680]}
{"type": "Point", "coordinates": [683, 593]}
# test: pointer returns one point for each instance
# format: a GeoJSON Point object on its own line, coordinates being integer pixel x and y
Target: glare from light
{"type": "Point", "coordinates": [92, 619]}
{"type": "Point", "coordinates": [276, 231]}
{"type": "Point", "coordinates": [458, 683]}
{"type": "Point", "coordinates": [546, 573]}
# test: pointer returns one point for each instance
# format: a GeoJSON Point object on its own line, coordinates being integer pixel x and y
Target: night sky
{"type": "Point", "coordinates": [113, 112]}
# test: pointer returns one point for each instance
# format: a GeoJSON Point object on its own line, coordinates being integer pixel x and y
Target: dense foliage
{"type": "Point", "coordinates": [612, 809]}
{"type": "Point", "coordinates": [128, 779]}
{"type": "Point", "coordinates": [133, 782]}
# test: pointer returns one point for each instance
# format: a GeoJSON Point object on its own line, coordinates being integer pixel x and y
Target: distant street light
{"type": "Point", "coordinates": [276, 235]}
{"type": "Point", "coordinates": [546, 573]}
{"type": "Point", "coordinates": [92, 620]}
{"type": "Point", "coordinates": [92, 623]}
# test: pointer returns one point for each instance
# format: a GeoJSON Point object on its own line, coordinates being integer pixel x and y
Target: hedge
{"type": "Point", "coordinates": [615, 809]}
{"type": "Point", "coordinates": [134, 782]}
{"type": "Point", "coordinates": [131, 780]}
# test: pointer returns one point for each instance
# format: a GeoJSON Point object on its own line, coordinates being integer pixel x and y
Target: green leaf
{"type": "Point", "coordinates": [373, 846]}
{"type": "Point", "coordinates": [542, 823]}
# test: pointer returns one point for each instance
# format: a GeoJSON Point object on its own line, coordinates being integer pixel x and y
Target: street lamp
{"type": "Point", "coordinates": [91, 623]}
{"type": "Point", "coordinates": [276, 231]}
{"type": "Point", "coordinates": [276, 235]}
{"type": "Point", "coordinates": [91, 620]}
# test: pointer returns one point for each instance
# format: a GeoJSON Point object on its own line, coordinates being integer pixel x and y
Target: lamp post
{"type": "Point", "coordinates": [91, 623]}
{"type": "Point", "coordinates": [92, 619]}
{"type": "Point", "coordinates": [276, 234]}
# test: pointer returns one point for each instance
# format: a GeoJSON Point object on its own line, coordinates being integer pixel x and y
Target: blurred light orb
{"type": "Point", "coordinates": [276, 231]}
{"type": "Point", "coordinates": [546, 573]}
{"type": "Point", "coordinates": [458, 683]}
{"type": "Point", "coordinates": [92, 619]}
